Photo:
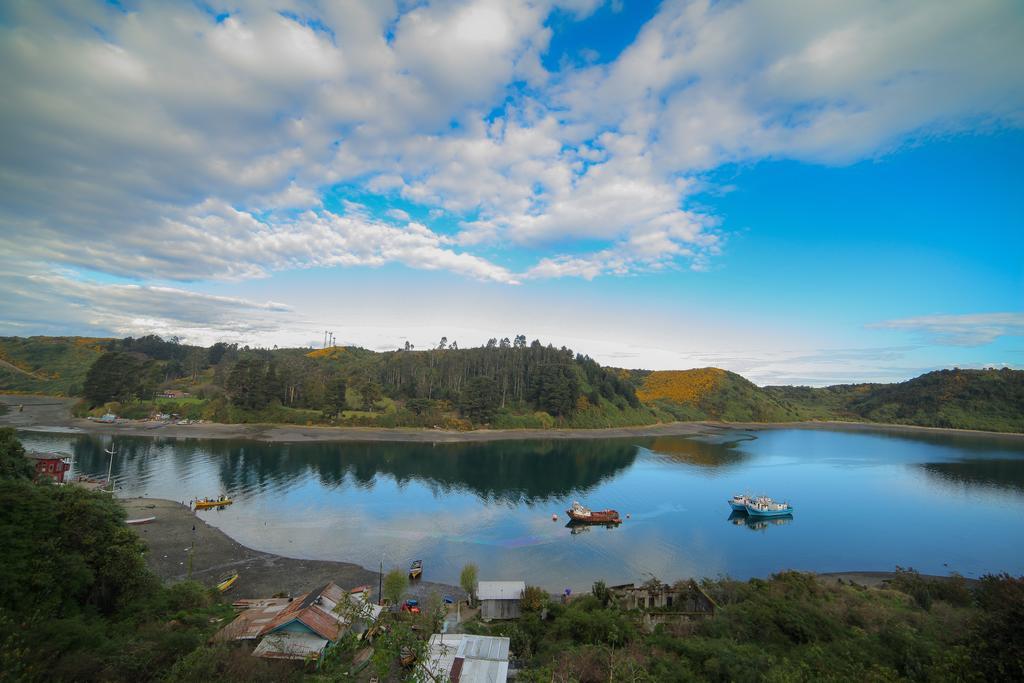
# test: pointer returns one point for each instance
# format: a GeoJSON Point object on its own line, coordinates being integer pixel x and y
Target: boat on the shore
{"type": "Point", "coordinates": [216, 503]}
{"type": "Point", "coordinates": [140, 520]}
{"type": "Point", "coordinates": [581, 514]}
{"type": "Point", "coordinates": [416, 570]}
{"type": "Point", "coordinates": [766, 507]}
{"type": "Point", "coordinates": [227, 582]}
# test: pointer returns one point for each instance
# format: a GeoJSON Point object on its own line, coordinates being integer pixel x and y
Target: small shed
{"type": "Point", "coordinates": [500, 599]}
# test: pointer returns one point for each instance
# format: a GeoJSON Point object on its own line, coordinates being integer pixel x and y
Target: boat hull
{"type": "Point", "coordinates": [595, 517]}
{"type": "Point", "coordinates": [142, 520]}
{"type": "Point", "coordinates": [228, 583]}
{"type": "Point", "coordinates": [738, 507]}
{"type": "Point", "coordinates": [205, 504]}
{"type": "Point", "coordinates": [754, 512]}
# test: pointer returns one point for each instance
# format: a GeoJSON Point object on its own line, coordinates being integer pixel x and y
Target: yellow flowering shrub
{"type": "Point", "coordinates": [681, 386]}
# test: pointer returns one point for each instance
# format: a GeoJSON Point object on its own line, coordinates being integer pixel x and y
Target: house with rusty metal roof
{"type": "Point", "coordinates": [302, 628]}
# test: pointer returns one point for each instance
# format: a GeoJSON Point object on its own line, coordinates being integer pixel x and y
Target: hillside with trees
{"type": "Point", "coordinates": [504, 384]}
{"type": "Point", "coordinates": [987, 399]}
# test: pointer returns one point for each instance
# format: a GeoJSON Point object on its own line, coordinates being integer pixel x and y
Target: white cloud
{"type": "Point", "coordinates": [973, 329]}
{"type": "Point", "coordinates": [202, 148]}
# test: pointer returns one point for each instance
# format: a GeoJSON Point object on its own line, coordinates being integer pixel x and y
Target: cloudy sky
{"type": "Point", "coordinates": [799, 191]}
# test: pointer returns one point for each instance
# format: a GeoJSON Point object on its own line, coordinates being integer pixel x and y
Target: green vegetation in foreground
{"type": "Point", "coordinates": [791, 627]}
{"type": "Point", "coordinates": [77, 603]}
{"type": "Point", "coordinates": [506, 384]}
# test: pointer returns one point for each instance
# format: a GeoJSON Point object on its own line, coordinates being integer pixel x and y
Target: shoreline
{"type": "Point", "coordinates": [169, 540]}
{"type": "Point", "coordinates": [50, 413]}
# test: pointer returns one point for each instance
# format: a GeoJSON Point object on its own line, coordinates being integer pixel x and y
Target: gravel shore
{"type": "Point", "coordinates": [170, 542]}
{"type": "Point", "coordinates": [48, 413]}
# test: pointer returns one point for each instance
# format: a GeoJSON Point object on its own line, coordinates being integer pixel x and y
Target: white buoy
{"type": "Point", "coordinates": [554, 518]}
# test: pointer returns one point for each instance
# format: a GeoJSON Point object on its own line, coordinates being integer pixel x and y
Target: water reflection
{"type": "Point", "coordinates": [491, 503]}
{"type": "Point", "coordinates": [757, 523]}
{"type": "Point", "coordinates": [1000, 474]}
{"type": "Point", "coordinates": [507, 472]}
{"type": "Point", "coordinates": [711, 453]}
{"type": "Point", "coordinates": [576, 528]}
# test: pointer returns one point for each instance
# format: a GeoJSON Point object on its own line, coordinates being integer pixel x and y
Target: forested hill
{"type": "Point", "coordinates": [507, 383]}
{"type": "Point", "coordinates": [960, 399]}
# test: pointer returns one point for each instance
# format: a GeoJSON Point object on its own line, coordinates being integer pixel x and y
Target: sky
{"type": "Point", "coordinates": [801, 192]}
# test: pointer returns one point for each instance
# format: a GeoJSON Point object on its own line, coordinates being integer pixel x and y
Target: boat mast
{"type": "Point", "coordinates": [110, 467]}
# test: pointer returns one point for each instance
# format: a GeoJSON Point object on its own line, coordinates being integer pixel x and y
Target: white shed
{"type": "Point", "coordinates": [500, 599]}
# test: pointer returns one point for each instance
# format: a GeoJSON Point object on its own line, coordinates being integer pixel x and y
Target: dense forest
{"type": "Point", "coordinates": [506, 383]}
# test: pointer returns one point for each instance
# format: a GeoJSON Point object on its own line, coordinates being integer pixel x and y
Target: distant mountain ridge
{"type": "Point", "coordinates": [990, 399]}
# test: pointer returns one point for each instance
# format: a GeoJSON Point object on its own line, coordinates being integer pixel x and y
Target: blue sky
{"type": "Point", "coordinates": [803, 193]}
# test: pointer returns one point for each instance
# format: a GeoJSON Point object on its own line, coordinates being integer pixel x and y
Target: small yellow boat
{"type": "Point", "coordinates": [207, 503]}
{"type": "Point", "coordinates": [225, 584]}
{"type": "Point", "coordinates": [416, 570]}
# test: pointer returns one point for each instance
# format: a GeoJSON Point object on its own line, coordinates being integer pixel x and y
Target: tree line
{"type": "Point", "coordinates": [478, 382]}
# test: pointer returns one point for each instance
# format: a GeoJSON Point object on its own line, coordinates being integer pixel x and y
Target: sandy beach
{"type": "Point", "coordinates": [49, 413]}
{"type": "Point", "coordinates": [214, 554]}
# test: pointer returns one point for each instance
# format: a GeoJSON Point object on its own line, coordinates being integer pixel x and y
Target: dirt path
{"type": "Point", "coordinates": [170, 541]}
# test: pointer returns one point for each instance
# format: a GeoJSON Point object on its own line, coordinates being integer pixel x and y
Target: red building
{"type": "Point", "coordinates": [52, 465]}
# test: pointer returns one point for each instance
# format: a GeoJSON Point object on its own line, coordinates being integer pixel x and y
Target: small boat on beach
{"type": "Point", "coordinates": [215, 503]}
{"type": "Point", "coordinates": [584, 515]}
{"type": "Point", "coordinates": [416, 570]}
{"type": "Point", "coordinates": [140, 520]}
{"type": "Point", "coordinates": [227, 582]}
{"type": "Point", "coordinates": [766, 507]}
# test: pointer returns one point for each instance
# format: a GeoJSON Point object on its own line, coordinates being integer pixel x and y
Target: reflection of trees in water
{"type": "Point", "coordinates": [699, 453]}
{"type": "Point", "coordinates": [1003, 474]}
{"type": "Point", "coordinates": [507, 471]}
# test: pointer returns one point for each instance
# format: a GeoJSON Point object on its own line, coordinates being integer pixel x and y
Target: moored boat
{"type": "Point", "coordinates": [216, 503]}
{"type": "Point", "coordinates": [766, 507]}
{"type": "Point", "coordinates": [140, 520]}
{"type": "Point", "coordinates": [579, 513]}
{"type": "Point", "coordinates": [416, 570]}
{"type": "Point", "coordinates": [739, 502]}
{"type": "Point", "coordinates": [227, 582]}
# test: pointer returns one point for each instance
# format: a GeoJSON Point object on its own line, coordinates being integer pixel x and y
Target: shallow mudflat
{"type": "Point", "coordinates": [171, 540]}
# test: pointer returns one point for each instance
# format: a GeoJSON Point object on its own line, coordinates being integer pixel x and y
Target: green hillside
{"type": "Point", "coordinates": [504, 384]}
{"type": "Point", "coordinates": [713, 394]}
{"type": "Point", "coordinates": [47, 365]}
{"type": "Point", "coordinates": [960, 399]}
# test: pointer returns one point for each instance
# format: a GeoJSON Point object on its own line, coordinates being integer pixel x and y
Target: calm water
{"type": "Point", "coordinates": [863, 501]}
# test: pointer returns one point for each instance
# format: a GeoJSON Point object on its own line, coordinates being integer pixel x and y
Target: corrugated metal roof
{"type": "Point", "coordinates": [483, 671]}
{"type": "Point", "coordinates": [483, 647]}
{"type": "Point", "coordinates": [475, 659]}
{"type": "Point", "coordinates": [500, 590]}
{"type": "Point", "coordinates": [254, 620]}
{"type": "Point", "coordinates": [290, 646]}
